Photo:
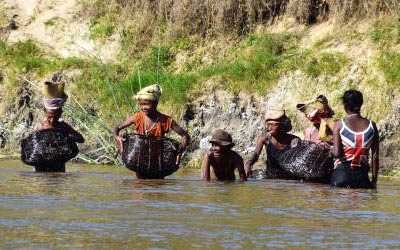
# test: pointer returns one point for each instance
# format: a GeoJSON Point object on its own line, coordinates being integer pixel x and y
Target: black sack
{"type": "Point", "coordinates": [308, 161]}
{"type": "Point", "coordinates": [150, 157]}
{"type": "Point", "coordinates": [48, 146]}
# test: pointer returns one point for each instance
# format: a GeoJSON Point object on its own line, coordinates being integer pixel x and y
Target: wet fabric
{"type": "Point", "coordinates": [347, 176]}
{"type": "Point", "coordinates": [151, 157]}
{"type": "Point", "coordinates": [274, 168]}
{"type": "Point", "coordinates": [53, 167]}
{"type": "Point", "coordinates": [159, 129]}
{"type": "Point", "coordinates": [48, 147]}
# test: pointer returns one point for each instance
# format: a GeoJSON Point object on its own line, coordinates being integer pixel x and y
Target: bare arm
{"type": "Point", "coordinates": [118, 128]}
{"type": "Point", "coordinates": [122, 125]}
{"type": "Point", "coordinates": [240, 167]}
{"type": "Point", "coordinates": [256, 154]}
{"type": "Point", "coordinates": [75, 135]}
{"type": "Point", "coordinates": [375, 156]}
{"type": "Point", "coordinates": [180, 131]}
{"type": "Point", "coordinates": [205, 166]}
{"type": "Point", "coordinates": [337, 141]}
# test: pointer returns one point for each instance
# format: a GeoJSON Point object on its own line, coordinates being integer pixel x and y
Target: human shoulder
{"type": "Point", "coordinates": [236, 156]}
{"type": "Point", "coordinates": [207, 153]}
{"type": "Point", "coordinates": [136, 115]}
{"type": "Point", "coordinates": [38, 126]}
{"type": "Point", "coordinates": [164, 117]}
{"type": "Point", "coordinates": [375, 127]}
{"type": "Point", "coordinates": [294, 140]}
{"type": "Point", "coordinates": [338, 124]}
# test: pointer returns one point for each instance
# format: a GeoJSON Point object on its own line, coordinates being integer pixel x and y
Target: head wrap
{"type": "Point", "coordinates": [53, 103]}
{"type": "Point", "coordinates": [316, 110]}
{"type": "Point", "coordinates": [152, 92]}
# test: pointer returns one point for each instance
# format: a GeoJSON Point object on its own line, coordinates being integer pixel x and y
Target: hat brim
{"type": "Point", "coordinates": [222, 143]}
{"type": "Point", "coordinates": [274, 114]}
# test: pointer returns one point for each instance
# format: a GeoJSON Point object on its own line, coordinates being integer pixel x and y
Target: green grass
{"type": "Point", "coordinates": [254, 64]}
{"type": "Point", "coordinates": [386, 32]}
{"type": "Point", "coordinates": [52, 21]}
{"type": "Point", "coordinates": [325, 64]}
{"type": "Point", "coordinates": [389, 63]}
{"type": "Point", "coordinates": [26, 57]}
{"type": "Point", "coordinates": [102, 28]}
{"type": "Point", "coordinates": [3, 15]}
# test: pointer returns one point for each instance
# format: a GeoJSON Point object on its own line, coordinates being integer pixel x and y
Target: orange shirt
{"type": "Point", "coordinates": [162, 126]}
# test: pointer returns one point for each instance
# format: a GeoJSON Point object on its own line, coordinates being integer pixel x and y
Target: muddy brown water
{"type": "Point", "coordinates": [106, 207]}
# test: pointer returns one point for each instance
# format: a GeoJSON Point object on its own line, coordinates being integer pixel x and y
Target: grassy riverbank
{"type": "Point", "coordinates": [186, 47]}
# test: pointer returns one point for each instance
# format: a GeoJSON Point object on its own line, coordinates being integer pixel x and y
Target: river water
{"type": "Point", "coordinates": [106, 207]}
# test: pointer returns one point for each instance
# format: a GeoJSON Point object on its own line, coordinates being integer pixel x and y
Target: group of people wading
{"type": "Point", "coordinates": [351, 140]}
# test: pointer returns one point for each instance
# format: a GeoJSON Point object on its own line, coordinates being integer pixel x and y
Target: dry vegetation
{"type": "Point", "coordinates": [184, 43]}
{"type": "Point", "coordinates": [239, 16]}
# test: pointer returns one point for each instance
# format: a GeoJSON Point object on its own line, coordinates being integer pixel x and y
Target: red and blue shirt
{"type": "Point", "coordinates": [356, 145]}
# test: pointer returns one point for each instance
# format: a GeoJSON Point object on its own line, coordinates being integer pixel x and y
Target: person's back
{"type": "Point", "coordinates": [354, 138]}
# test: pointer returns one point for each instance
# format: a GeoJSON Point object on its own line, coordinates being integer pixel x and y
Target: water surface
{"type": "Point", "coordinates": [106, 207]}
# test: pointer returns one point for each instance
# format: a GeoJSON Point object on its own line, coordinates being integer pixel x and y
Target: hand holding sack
{"type": "Point", "coordinates": [151, 157]}
{"type": "Point", "coordinates": [48, 146]}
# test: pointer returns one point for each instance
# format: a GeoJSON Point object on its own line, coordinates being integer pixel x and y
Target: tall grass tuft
{"type": "Point", "coordinates": [105, 151]}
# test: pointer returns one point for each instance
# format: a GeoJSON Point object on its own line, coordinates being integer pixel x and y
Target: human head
{"type": "Point", "coordinates": [53, 115]}
{"type": "Point", "coordinates": [148, 106]}
{"type": "Point", "coordinates": [277, 122]}
{"type": "Point", "coordinates": [148, 98]}
{"type": "Point", "coordinates": [352, 101]}
{"type": "Point", "coordinates": [221, 142]}
{"type": "Point", "coordinates": [316, 109]}
{"type": "Point", "coordinates": [152, 92]}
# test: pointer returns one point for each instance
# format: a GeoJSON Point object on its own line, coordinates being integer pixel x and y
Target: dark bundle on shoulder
{"type": "Point", "coordinates": [151, 157]}
{"type": "Point", "coordinates": [47, 146]}
{"type": "Point", "coordinates": [308, 161]}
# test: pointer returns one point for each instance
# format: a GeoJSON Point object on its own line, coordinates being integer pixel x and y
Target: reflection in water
{"type": "Point", "coordinates": [107, 207]}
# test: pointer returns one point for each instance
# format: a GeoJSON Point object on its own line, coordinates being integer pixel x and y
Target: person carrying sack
{"type": "Point", "coordinates": [150, 122]}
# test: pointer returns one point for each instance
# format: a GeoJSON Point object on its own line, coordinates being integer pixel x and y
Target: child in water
{"type": "Point", "coordinates": [53, 101]}
{"type": "Point", "coordinates": [277, 141]}
{"type": "Point", "coordinates": [149, 121]}
{"type": "Point", "coordinates": [222, 159]}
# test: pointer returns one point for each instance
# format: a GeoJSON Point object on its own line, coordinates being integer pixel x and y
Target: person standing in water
{"type": "Point", "coordinates": [54, 99]}
{"type": "Point", "coordinates": [353, 139]}
{"type": "Point", "coordinates": [222, 159]}
{"type": "Point", "coordinates": [320, 114]}
{"type": "Point", "coordinates": [150, 122]}
{"type": "Point", "coordinates": [277, 141]}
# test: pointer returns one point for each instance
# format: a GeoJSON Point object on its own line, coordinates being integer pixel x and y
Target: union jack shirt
{"type": "Point", "coordinates": [356, 145]}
